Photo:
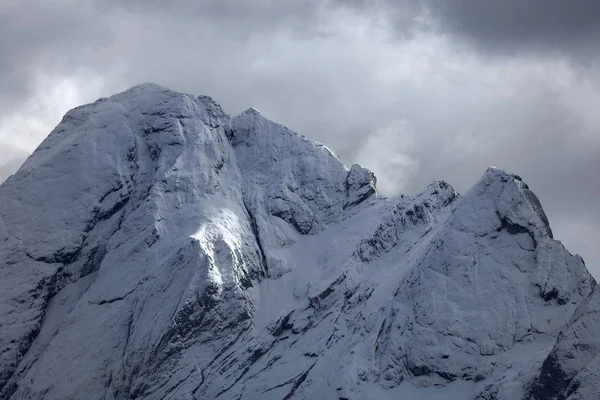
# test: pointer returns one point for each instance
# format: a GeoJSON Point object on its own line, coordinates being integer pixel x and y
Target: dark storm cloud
{"type": "Point", "coordinates": [505, 27]}
{"type": "Point", "coordinates": [571, 27]}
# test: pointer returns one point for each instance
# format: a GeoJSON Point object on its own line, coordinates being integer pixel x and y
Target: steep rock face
{"type": "Point", "coordinates": [572, 369]}
{"type": "Point", "coordinates": [154, 247]}
{"type": "Point", "coordinates": [492, 281]}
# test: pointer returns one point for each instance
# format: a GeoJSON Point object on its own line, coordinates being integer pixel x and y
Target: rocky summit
{"type": "Point", "coordinates": [154, 247]}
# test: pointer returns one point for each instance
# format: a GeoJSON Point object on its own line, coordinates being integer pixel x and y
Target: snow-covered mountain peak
{"type": "Point", "coordinates": [251, 111]}
{"type": "Point", "coordinates": [510, 199]}
{"type": "Point", "coordinates": [153, 247]}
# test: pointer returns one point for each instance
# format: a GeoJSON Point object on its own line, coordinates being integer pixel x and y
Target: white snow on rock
{"type": "Point", "coordinates": [154, 247]}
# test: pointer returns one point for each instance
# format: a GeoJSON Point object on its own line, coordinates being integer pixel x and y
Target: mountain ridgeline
{"type": "Point", "coordinates": [154, 247]}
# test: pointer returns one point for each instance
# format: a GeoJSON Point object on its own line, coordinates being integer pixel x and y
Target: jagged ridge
{"type": "Point", "coordinates": [155, 247]}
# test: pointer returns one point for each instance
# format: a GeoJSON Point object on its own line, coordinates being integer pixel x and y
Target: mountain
{"type": "Point", "coordinates": [153, 247]}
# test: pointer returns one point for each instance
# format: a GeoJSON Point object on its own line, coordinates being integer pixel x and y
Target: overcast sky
{"type": "Point", "coordinates": [414, 90]}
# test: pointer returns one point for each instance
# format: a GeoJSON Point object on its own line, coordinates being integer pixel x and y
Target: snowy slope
{"type": "Point", "coordinates": [154, 247]}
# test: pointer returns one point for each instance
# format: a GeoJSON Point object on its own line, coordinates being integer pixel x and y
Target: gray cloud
{"type": "Point", "coordinates": [235, 15]}
{"type": "Point", "coordinates": [571, 27]}
{"type": "Point", "coordinates": [500, 27]}
{"type": "Point", "coordinates": [415, 101]}
{"type": "Point", "coordinates": [45, 39]}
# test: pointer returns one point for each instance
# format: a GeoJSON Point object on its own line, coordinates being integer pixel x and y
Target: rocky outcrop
{"type": "Point", "coordinates": [572, 369]}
